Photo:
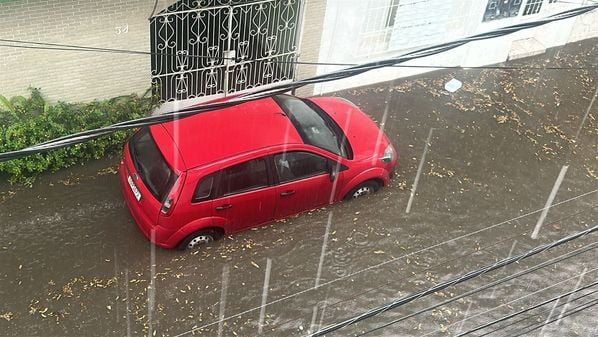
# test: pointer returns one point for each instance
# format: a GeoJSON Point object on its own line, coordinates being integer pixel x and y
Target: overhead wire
{"type": "Point", "coordinates": [449, 283]}
{"type": "Point", "coordinates": [282, 88]}
{"type": "Point", "coordinates": [486, 286]}
{"type": "Point", "coordinates": [70, 47]}
{"type": "Point", "coordinates": [517, 299]}
{"type": "Point", "coordinates": [530, 308]}
{"type": "Point", "coordinates": [573, 311]}
{"type": "Point", "coordinates": [384, 263]}
{"type": "Point", "coordinates": [478, 250]}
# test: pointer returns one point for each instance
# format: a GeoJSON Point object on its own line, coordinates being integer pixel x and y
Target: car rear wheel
{"type": "Point", "coordinates": [199, 238]}
{"type": "Point", "coordinates": [363, 189]}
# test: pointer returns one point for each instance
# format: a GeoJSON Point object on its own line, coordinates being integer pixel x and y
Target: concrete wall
{"type": "Point", "coordinates": [456, 18]}
{"type": "Point", "coordinates": [69, 75]}
{"type": "Point", "coordinates": [310, 41]}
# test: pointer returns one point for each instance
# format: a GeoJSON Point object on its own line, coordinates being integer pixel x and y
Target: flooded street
{"type": "Point", "coordinates": [476, 170]}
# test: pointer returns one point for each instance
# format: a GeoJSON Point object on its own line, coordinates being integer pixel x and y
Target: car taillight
{"type": "Point", "coordinates": [170, 200]}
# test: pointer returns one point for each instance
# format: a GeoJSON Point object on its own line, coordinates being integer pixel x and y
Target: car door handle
{"type": "Point", "coordinates": [287, 193]}
{"type": "Point", "coordinates": [223, 207]}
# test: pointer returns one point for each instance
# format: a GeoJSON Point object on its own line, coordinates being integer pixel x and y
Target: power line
{"type": "Point", "coordinates": [443, 285]}
{"type": "Point", "coordinates": [573, 311]}
{"type": "Point", "coordinates": [487, 286]}
{"type": "Point", "coordinates": [78, 48]}
{"type": "Point", "coordinates": [523, 311]}
{"type": "Point", "coordinates": [520, 298]}
{"type": "Point", "coordinates": [282, 88]}
{"type": "Point", "coordinates": [381, 264]}
{"type": "Point", "coordinates": [554, 260]}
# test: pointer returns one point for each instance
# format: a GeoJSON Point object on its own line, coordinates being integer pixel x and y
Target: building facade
{"type": "Point", "coordinates": [357, 31]}
{"type": "Point", "coordinates": [201, 49]}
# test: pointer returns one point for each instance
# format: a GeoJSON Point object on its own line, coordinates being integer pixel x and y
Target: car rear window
{"type": "Point", "coordinates": [150, 164]}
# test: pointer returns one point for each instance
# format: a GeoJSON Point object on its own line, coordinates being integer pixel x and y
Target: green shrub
{"type": "Point", "coordinates": [28, 121]}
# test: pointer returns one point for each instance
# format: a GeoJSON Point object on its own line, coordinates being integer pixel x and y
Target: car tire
{"type": "Point", "coordinates": [363, 189]}
{"type": "Point", "coordinates": [199, 238]}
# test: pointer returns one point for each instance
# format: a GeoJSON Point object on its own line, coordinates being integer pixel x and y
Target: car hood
{"type": "Point", "coordinates": [366, 139]}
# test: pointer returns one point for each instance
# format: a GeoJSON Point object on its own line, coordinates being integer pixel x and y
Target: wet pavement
{"type": "Point", "coordinates": [73, 262]}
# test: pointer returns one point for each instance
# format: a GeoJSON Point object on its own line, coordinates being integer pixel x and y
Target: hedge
{"type": "Point", "coordinates": [28, 121]}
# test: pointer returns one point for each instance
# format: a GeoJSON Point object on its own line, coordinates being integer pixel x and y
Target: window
{"type": "Point", "coordinates": [296, 165]}
{"type": "Point", "coordinates": [501, 9]}
{"type": "Point", "coordinates": [244, 177]}
{"type": "Point", "coordinates": [203, 191]}
{"type": "Point", "coordinates": [379, 20]}
{"type": "Point", "coordinates": [150, 164]}
{"type": "Point", "coordinates": [314, 126]}
{"type": "Point", "coordinates": [532, 7]}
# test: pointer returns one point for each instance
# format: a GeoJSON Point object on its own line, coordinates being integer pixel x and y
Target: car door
{"type": "Point", "coordinates": [245, 197]}
{"type": "Point", "coordinates": [304, 182]}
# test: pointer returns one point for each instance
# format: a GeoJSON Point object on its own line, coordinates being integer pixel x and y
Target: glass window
{"type": "Point", "coordinates": [150, 164]}
{"type": "Point", "coordinates": [296, 165]}
{"type": "Point", "coordinates": [243, 177]}
{"type": "Point", "coordinates": [501, 9]}
{"type": "Point", "coordinates": [315, 128]}
{"type": "Point", "coordinates": [203, 191]}
{"type": "Point", "coordinates": [532, 7]}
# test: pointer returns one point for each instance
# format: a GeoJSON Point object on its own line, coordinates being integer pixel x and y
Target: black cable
{"type": "Point", "coordinates": [67, 47]}
{"type": "Point", "coordinates": [443, 285]}
{"type": "Point", "coordinates": [523, 311]}
{"type": "Point", "coordinates": [282, 88]}
{"type": "Point", "coordinates": [534, 315]}
{"type": "Point", "coordinates": [554, 260]}
{"type": "Point", "coordinates": [487, 286]}
{"type": "Point", "coordinates": [72, 47]}
{"type": "Point", "coordinates": [384, 285]}
{"type": "Point", "coordinates": [573, 311]}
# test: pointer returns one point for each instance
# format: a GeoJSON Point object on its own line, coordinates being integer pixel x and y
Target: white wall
{"type": "Point", "coordinates": [421, 25]}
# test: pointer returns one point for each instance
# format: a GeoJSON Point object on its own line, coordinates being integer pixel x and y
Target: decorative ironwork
{"type": "Point", "coordinates": [217, 47]}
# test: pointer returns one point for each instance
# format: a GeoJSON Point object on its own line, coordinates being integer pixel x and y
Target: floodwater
{"type": "Point", "coordinates": [495, 153]}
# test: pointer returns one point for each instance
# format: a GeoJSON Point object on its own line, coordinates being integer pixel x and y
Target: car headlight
{"type": "Point", "coordinates": [389, 154]}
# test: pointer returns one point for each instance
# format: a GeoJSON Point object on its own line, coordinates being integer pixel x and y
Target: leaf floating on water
{"type": "Point", "coordinates": [7, 316]}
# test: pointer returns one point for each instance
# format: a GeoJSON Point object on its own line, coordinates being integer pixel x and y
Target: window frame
{"type": "Point", "coordinates": [329, 164]}
{"type": "Point", "coordinates": [216, 177]}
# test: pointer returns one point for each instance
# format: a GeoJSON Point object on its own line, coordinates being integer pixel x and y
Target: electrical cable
{"type": "Point", "coordinates": [534, 315]}
{"type": "Point", "coordinates": [282, 88]}
{"type": "Point", "coordinates": [354, 297]}
{"type": "Point", "coordinates": [519, 298]}
{"type": "Point", "coordinates": [488, 285]}
{"type": "Point", "coordinates": [535, 306]}
{"type": "Point", "coordinates": [443, 285]}
{"type": "Point", "coordinates": [381, 264]}
{"type": "Point", "coordinates": [573, 311]}
{"type": "Point", "coordinates": [69, 47]}
{"type": "Point", "coordinates": [386, 284]}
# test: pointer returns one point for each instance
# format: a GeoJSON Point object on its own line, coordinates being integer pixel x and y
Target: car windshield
{"type": "Point", "coordinates": [315, 127]}
{"type": "Point", "coordinates": [150, 164]}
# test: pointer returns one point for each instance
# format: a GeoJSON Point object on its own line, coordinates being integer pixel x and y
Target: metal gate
{"type": "Point", "coordinates": [217, 47]}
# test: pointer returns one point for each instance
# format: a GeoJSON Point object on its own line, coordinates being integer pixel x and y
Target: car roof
{"type": "Point", "coordinates": [215, 135]}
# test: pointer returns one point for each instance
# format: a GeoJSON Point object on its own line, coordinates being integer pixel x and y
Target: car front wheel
{"type": "Point", "coordinates": [363, 189]}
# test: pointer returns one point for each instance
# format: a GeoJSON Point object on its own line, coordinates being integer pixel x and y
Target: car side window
{"type": "Point", "coordinates": [204, 188]}
{"type": "Point", "coordinates": [297, 165]}
{"type": "Point", "coordinates": [244, 177]}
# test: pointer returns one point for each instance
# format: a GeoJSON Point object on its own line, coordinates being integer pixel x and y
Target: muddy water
{"type": "Point", "coordinates": [74, 263]}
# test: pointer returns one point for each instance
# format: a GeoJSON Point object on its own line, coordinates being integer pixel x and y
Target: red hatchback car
{"type": "Point", "coordinates": [194, 180]}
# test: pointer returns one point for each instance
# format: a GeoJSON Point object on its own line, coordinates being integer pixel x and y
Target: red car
{"type": "Point", "coordinates": [194, 180]}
